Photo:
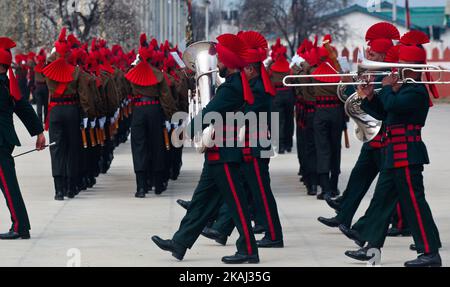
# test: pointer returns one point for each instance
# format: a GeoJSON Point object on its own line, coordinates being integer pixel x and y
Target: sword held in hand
{"type": "Point", "coordinates": [33, 150]}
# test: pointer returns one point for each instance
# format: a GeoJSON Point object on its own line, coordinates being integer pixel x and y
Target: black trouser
{"type": "Point", "coordinates": [11, 191]}
{"type": "Point", "coordinates": [65, 131]}
{"type": "Point", "coordinates": [257, 177]}
{"type": "Point", "coordinates": [218, 183]}
{"type": "Point", "coordinates": [363, 174]}
{"type": "Point", "coordinates": [147, 144]}
{"type": "Point", "coordinates": [310, 154]}
{"type": "Point", "coordinates": [284, 105]}
{"type": "Point", "coordinates": [404, 185]}
{"type": "Point", "coordinates": [328, 128]}
{"type": "Point", "coordinates": [41, 96]}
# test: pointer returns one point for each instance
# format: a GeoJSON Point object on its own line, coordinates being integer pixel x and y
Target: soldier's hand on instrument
{"type": "Point", "coordinates": [366, 91]}
{"type": "Point", "coordinates": [390, 80]}
{"type": "Point", "coordinates": [347, 79]}
{"type": "Point", "coordinates": [40, 142]}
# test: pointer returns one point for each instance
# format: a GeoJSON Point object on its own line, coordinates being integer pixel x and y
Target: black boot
{"type": "Point", "coordinates": [141, 183]}
{"type": "Point", "coordinates": [352, 235]}
{"type": "Point", "coordinates": [259, 229]}
{"type": "Point", "coordinates": [333, 203]}
{"type": "Point", "coordinates": [177, 250]}
{"type": "Point", "coordinates": [330, 222]}
{"type": "Point", "coordinates": [241, 259]}
{"type": "Point", "coordinates": [215, 235]}
{"type": "Point", "coordinates": [334, 180]}
{"type": "Point", "coordinates": [266, 242]}
{"type": "Point", "coordinates": [324, 181]}
{"type": "Point", "coordinates": [426, 260]}
{"type": "Point", "coordinates": [73, 188]}
{"type": "Point", "coordinates": [12, 235]}
{"type": "Point", "coordinates": [183, 203]}
{"type": "Point", "coordinates": [394, 232]}
{"type": "Point", "coordinates": [312, 190]}
{"type": "Point", "coordinates": [160, 184]}
{"type": "Point", "coordinates": [361, 254]}
{"type": "Point", "coordinates": [59, 188]}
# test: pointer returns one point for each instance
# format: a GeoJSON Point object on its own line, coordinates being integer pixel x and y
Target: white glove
{"type": "Point", "coordinates": [93, 123]}
{"type": "Point", "coordinates": [85, 122]}
{"type": "Point", "coordinates": [168, 127]}
{"type": "Point", "coordinates": [102, 122]}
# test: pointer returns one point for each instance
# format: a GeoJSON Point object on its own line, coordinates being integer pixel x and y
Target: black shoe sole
{"type": "Point", "coordinates": [357, 258]}
{"type": "Point", "coordinates": [222, 242]}
{"type": "Point", "coordinates": [279, 245]}
{"type": "Point", "coordinates": [358, 242]}
{"type": "Point", "coordinates": [328, 223]}
{"type": "Point", "coordinates": [176, 255]}
{"type": "Point", "coordinates": [250, 261]}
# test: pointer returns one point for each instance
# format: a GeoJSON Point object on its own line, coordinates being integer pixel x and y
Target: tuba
{"type": "Point", "coordinates": [201, 58]}
{"type": "Point", "coordinates": [367, 127]}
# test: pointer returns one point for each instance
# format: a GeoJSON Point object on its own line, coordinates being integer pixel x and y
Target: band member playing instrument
{"type": "Point", "coordinates": [255, 168]}
{"type": "Point", "coordinates": [406, 106]}
{"type": "Point", "coordinates": [220, 179]}
{"type": "Point", "coordinates": [379, 38]}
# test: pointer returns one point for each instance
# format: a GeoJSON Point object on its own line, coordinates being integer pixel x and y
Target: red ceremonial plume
{"type": "Point", "coordinates": [326, 68]}
{"type": "Point", "coordinates": [382, 30]}
{"type": "Point", "coordinates": [6, 43]}
{"type": "Point", "coordinates": [62, 35]}
{"type": "Point", "coordinates": [143, 40]}
{"type": "Point", "coordinates": [142, 75]}
{"type": "Point", "coordinates": [327, 39]}
{"type": "Point", "coordinates": [414, 37]}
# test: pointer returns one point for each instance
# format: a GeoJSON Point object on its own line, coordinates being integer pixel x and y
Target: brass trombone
{"type": "Point", "coordinates": [367, 69]}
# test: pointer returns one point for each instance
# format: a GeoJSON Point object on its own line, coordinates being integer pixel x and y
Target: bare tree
{"type": "Point", "coordinates": [35, 24]}
{"type": "Point", "coordinates": [293, 20]}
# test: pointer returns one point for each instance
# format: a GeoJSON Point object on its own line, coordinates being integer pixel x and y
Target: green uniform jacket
{"type": "Point", "coordinates": [262, 104]}
{"type": "Point", "coordinates": [229, 98]}
{"type": "Point", "coordinates": [22, 109]}
{"type": "Point", "coordinates": [406, 113]}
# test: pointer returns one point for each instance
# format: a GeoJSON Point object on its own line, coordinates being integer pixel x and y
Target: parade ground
{"type": "Point", "coordinates": [107, 226]}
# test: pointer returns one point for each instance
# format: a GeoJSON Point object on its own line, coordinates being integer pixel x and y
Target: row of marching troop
{"type": "Point", "coordinates": [84, 97]}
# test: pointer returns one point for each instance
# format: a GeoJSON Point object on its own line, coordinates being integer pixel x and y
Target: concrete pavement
{"type": "Point", "coordinates": [107, 226]}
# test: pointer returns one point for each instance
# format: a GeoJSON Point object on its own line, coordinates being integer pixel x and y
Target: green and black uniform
{"type": "Point", "coordinates": [363, 173]}
{"type": "Point", "coordinates": [255, 170]}
{"type": "Point", "coordinates": [8, 140]}
{"type": "Point", "coordinates": [401, 177]}
{"type": "Point", "coordinates": [221, 178]}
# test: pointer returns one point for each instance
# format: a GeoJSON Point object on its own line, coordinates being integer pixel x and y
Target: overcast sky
{"type": "Point", "coordinates": [411, 2]}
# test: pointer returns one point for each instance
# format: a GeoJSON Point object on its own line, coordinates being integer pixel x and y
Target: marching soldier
{"type": "Point", "coordinates": [153, 106]}
{"type": "Point", "coordinates": [40, 87]}
{"type": "Point", "coordinates": [284, 99]}
{"type": "Point", "coordinates": [379, 37]}
{"type": "Point", "coordinates": [220, 179]}
{"type": "Point", "coordinates": [66, 84]}
{"type": "Point", "coordinates": [406, 106]}
{"type": "Point", "coordinates": [255, 168]}
{"type": "Point", "coordinates": [305, 119]}
{"type": "Point", "coordinates": [11, 102]}
{"type": "Point", "coordinates": [328, 127]}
